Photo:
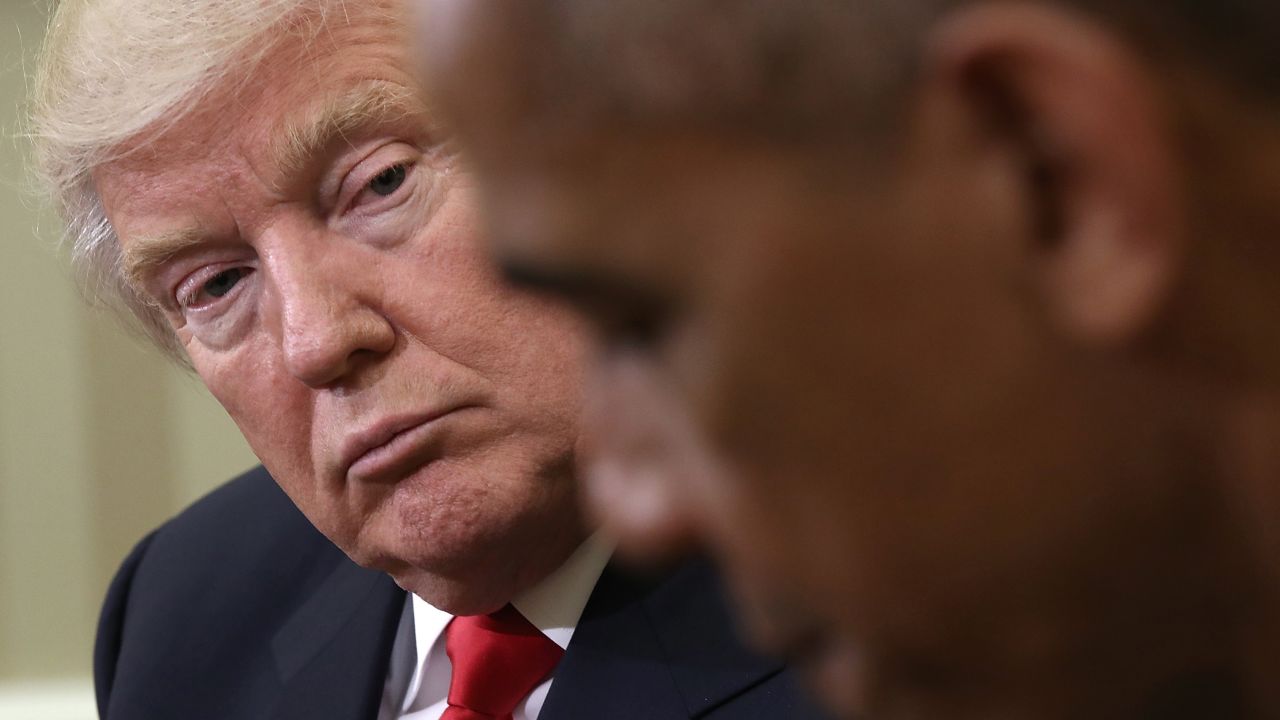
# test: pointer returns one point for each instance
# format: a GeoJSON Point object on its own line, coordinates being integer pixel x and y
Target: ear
{"type": "Point", "coordinates": [1078, 108]}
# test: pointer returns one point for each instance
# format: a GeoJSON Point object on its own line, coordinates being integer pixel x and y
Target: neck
{"type": "Point", "coordinates": [1164, 608]}
{"type": "Point", "coordinates": [1189, 622]}
{"type": "Point", "coordinates": [1250, 476]}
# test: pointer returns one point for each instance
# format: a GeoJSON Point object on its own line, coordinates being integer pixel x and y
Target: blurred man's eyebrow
{"type": "Point", "coordinates": [145, 255]}
{"type": "Point", "coordinates": [582, 286]}
{"type": "Point", "coordinates": [370, 102]}
{"type": "Point", "coordinates": [569, 283]}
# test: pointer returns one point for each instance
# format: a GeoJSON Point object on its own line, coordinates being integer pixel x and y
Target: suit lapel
{"type": "Point", "coordinates": [708, 662]}
{"type": "Point", "coordinates": [647, 650]}
{"type": "Point", "coordinates": [332, 655]}
{"type": "Point", "coordinates": [643, 649]}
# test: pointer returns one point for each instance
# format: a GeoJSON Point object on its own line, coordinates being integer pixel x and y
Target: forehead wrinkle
{"type": "Point", "coordinates": [144, 255]}
{"type": "Point", "coordinates": [372, 102]}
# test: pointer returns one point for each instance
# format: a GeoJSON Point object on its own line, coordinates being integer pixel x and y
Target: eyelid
{"type": "Point", "coordinates": [356, 180]}
{"type": "Point", "coordinates": [192, 283]}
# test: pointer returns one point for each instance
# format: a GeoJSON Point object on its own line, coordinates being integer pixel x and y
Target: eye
{"type": "Point", "coordinates": [203, 288]}
{"type": "Point", "coordinates": [376, 184]}
{"type": "Point", "coordinates": [389, 180]}
{"type": "Point", "coordinates": [222, 283]}
{"type": "Point", "coordinates": [639, 326]}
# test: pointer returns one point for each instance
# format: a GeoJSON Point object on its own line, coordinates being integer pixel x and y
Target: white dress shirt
{"type": "Point", "coordinates": [417, 686]}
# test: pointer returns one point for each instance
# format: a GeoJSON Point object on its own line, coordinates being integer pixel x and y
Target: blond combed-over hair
{"type": "Point", "coordinates": [112, 70]}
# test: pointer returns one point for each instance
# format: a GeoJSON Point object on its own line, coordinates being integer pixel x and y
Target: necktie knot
{"type": "Point", "coordinates": [497, 659]}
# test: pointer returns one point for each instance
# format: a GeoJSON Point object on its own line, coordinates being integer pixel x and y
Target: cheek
{"type": "Point", "coordinates": [768, 395]}
{"type": "Point", "coordinates": [529, 347]}
{"type": "Point", "coordinates": [451, 296]}
{"type": "Point", "coordinates": [271, 410]}
{"type": "Point", "coordinates": [769, 523]}
{"type": "Point", "coordinates": [545, 350]}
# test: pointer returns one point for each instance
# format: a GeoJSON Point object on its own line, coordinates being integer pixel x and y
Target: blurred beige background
{"type": "Point", "coordinates": [100, 438]}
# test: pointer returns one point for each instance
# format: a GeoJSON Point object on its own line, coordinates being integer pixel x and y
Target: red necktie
{"type": "Point", "coordinates": [497, 660]}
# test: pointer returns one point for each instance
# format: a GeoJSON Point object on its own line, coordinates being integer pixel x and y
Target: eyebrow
{"type": "Point", "coordinates": [292, 149]}
{"type": "Point", "coordinates": [579, 285]}
{"type": "Point", "coordinates": [147, 254]}
{"type": "Point", "coordinates": [371, 102]}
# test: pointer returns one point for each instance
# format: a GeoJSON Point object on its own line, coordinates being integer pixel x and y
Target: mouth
{"type": "Point", "coordinates": [395, 446]}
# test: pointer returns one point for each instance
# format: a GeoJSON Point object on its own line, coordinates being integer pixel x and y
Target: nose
{"type": "Point", "coordinates": [645, 474]}
{"type": "Point", "coordinates": [328, 321]}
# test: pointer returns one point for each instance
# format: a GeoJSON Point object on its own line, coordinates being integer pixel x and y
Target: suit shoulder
{"type": "Point", "coordinates": [190, 619]}
{"type": "Point", "coordinates": [251, 504]}
{"type": "Point", "coordinates": [244, 535]}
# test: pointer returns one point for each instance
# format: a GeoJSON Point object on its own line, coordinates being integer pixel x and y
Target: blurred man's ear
{"type": "Point", "coordinates": [1085, 120]}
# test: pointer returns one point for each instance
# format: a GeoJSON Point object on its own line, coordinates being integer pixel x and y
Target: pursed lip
{"type": "Point", "coordinates": [388, 442]}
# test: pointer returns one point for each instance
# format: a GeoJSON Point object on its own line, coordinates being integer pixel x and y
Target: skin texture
{"type": "Point", "coordinates": [347, 293]}
{"type": "Point", "coordinates": [954, 406]}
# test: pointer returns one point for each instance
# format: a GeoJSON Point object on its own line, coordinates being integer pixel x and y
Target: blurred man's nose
{"type": "Point", "coordinates": [644, 470]}
{"type": "Point", "coordinates": [329, 321]}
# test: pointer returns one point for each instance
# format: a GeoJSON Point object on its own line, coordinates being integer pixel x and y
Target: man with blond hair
{"type": "Point", "coordinates": [972, 304]}
{"type": "Point", "coordinates": [259, 186]}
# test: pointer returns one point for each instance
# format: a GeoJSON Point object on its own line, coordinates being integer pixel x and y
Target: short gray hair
{"type": "Point", "coordinates": [111, 70]}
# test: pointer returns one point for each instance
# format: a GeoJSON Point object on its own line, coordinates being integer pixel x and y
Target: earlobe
{"type": "Point", "coordinates": [1099, 165]}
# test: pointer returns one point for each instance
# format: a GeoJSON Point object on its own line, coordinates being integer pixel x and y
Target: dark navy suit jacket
{"type": "Point", "coordinates": [239, 608]}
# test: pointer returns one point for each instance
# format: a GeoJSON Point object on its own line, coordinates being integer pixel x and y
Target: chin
{"type": "Point", "coordinates": [457, 575]}
{"type": "Point", "coordinates": [456, 596]}
{"type": "Point", "coordinates": [470, 532]}
{"type": "Point", "coordinates": [468, 560]}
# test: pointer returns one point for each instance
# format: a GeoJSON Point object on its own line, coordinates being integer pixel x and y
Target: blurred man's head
{"type": "Point", "coordinates": [259, 183]}
{"type": "Point", "coordinates": [974, 304]}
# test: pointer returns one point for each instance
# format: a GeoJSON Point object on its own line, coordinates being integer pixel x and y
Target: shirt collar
{"type": "Point", "coordinates": [553, 605]}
